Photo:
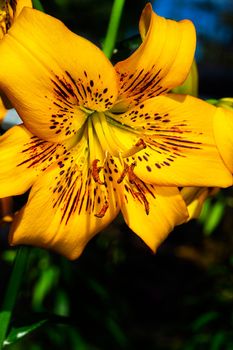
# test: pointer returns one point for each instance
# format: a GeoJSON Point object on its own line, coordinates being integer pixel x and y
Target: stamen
{"type": "Point", "coordinates": [123, 174]}
{"type": "Point", "coordinates": [132, 176]}
{"type": "Point", "coordinates": [95, 172]}
{"type": "Point", "coordinates": [139, 145]}
{"type": "Point", "coordinates": [133, 179]}
{"type": "Point", "coordinates": [141, 196]}
{"type": "Point", "coordinates": [103, 210]}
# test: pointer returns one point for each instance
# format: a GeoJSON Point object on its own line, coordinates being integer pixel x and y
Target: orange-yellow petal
{"type": "Point", "coordinates": [23, 157]}
{"type": "Point", "coordinates": [223, 132]}
{"type": "Point", "coordinates": [179, 147]}
{"type": "Point", "coordinates": [3, 110]}
{"type": "Point", "coordinates": [67, 206]}
{"type": "Point", "coordinates": [161, 62]}
{"type": "Point", "coordinates": [20, 4]}
{"type": "Point", "coordinates": [150, 211]}
{"type": "Point", "coordinates": [52, 76]}
{"type": "Point", "coordinates": [154, 216]}
{"type": "Point", "coordinates": [9, 10]}
{"type": "Point", "coordinates": [194, 197]}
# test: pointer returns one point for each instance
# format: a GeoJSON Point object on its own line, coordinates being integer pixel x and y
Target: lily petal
{"type": "Point", "coordinates": [20, 4]}
{"type": "Point", "coordinates": [195, 198]}
{"type": "Point", "coordinates": [150, 211]}
{"type": "Point", "coordinates": [3, 110]}
{"type": "Point", "coordinates": [66, 206]}
{"type": "Point", "coordinates": [161, 63]}
{"type": "Point", "coordinates": [9, 10]}
{"type": "Point", "coordinates": [23, 157]}
{"type": "Point", "coordinates": [223, 132]}
{"type": "Point", "coordinates": [166, 209]}
{"type": "Point", "coordinates": [51, 79]}
{"type": "Point", "coordinates": [179, 143]}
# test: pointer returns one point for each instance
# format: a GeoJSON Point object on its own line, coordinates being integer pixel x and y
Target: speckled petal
{"type": "Point", "coordinates": [23, 157]}
{"type": "Point", "coordinates": [53, 77]}
{"type": "Point", "coordinates": [150, 211]}
{"type": "Point", "coordinates": [177, 140]}
{"type": "Point", "coordinates": [68, 205]}
{"type": "Point", "coordinates": [161, 62]}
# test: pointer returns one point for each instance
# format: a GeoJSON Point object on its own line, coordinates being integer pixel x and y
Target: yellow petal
{"type": "Point", "coordinates": [9, 10]}
{"type": "Point", "coordinates": [190, 85]}
{"type": "Point", "coordinates": [20, 4]}
{"type": "Point", "coordinates": [223, 132]}
{"type": "Point", "coordinates": [3, 110]}
{"type": "Point", "coordinates": [166, 209]}
{"type": "Point", "coordinates": [161, 62]}
{"type": "Point", "coordinates": [22, 158]}
{"type": "Point", "coordinates": [52, 76]}
{"type": "Point", "coordinates": [180, 147]}
{"type": "Point", "coordinates": [195, 198]}
{"type": "Point", "coordinates": [150, 211]}
{"type": "Point", "coordinates": [67, 206]}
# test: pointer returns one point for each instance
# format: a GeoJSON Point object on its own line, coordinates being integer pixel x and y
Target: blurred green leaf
{"type": "Point", "coordinates": [37, 5]}
{"type": "Point", "coordinates": [116, 332]}
{"type": "Point", "coordinates": [204, 319]}
{"type": "Point", "coordinates": [214, 218]}
{"type": "Point", "coordinates": [98, 289]}
{"type": "Point", "coordinates": [16, 334]}
{"type": "Point", "coordinates": [205, 211]}
{"type": "Point", "coordinates": [9, 255]}
{"type": "Point", "coordinates": [46, 281]}
{"type": "Point", "coordinates": [218, 341]}
{"type": "Point", "coordinates": [61, 303]}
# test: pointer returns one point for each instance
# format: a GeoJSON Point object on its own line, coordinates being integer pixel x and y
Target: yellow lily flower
{"type": "Point", "coordinates": [98, 139]}
{"type": "Point", "coordinates": [9, 10]}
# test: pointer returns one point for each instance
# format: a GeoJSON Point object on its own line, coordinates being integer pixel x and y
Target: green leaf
{"type": "Point", "coordinates": [20, 332]}
{"type": "Point", "coordinates": [214, 218]}
{"type": "Point", "coordinates": [45, 283]}
{"type": "Point", "coordinates": [37, 5]}
{"type": "Point", "coordinates": [218, 341]}
{"type": "Point", "coordinates": [204, 319]}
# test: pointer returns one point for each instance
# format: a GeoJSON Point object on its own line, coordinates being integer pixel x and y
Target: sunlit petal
{"type": "Point", "coordinates": [23, 157]}
{"type": "Point", "coordinates": [179, 144]}
{"type": "Point", "coordinates": [53, 80]}
{"type": "Point", "coordinates": [67, 206]}
{"type": "Point", "coordinates": [161, 62]}
{"type": "Point", "coordinates": [166, 210]}
{"type": "Point", "coordinates": [3, 110]}
{"type": "Point", "coordinates": [223, 132]}
{"type": "Point", "coordinates": [9, 10]}
{"type": "Point", "coordinates": [150, 211]}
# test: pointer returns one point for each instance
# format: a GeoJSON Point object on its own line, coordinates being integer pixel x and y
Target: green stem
{"type": "Point", "coordinates": [12, 291]}
{"type": "Point", "coordinates": [110, 39]}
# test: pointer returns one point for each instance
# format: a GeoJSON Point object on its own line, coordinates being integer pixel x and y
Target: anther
{"type": "Point", "coordinates": [123, 174]}
{"type": "Point", "coordinates": [132, 176]}
{"type": "Point", "coordinates": [96, 171]}
{"type": "Point", "coordinates": [141, 144]}
{"type": "Point", "coordinates": [140, 195]}
{"type": "Point", "coordinates": [102, 210]}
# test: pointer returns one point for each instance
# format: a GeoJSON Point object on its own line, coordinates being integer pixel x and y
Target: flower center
{"type": "Point", "coordinates": [109, 139]}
